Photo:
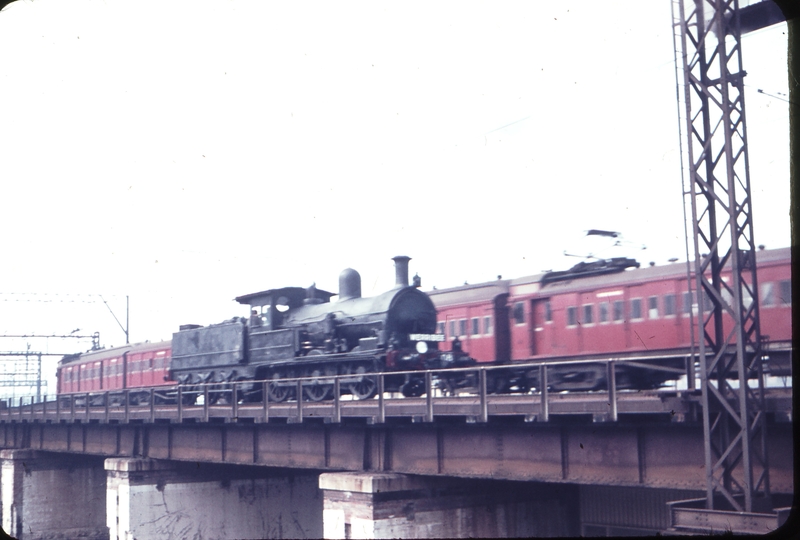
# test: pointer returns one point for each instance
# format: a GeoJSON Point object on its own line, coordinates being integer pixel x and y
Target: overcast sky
{"type": "Point", "coordinates": [184, 153]}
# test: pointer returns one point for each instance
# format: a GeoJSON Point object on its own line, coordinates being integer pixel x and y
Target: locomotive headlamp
{"type": "Point", "coordinates": [422, 347]}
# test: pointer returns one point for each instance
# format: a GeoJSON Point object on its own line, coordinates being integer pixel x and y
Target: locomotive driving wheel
{"type": "Point", "coordinates": [275, 392]}
{"type": "Point", "coordinates": [318, 390]}
{"type": "Point", "coordinates": [366, 386]}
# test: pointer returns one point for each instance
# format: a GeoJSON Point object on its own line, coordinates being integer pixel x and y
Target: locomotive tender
{"type": "Point", "coordinates": [295, 332]}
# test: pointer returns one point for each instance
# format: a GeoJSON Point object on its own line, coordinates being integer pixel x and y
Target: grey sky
{"type": "Point", "coordinates": [184, 153]}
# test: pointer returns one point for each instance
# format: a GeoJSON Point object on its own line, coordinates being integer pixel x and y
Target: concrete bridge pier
{"type": "Point", "coordinates": [150, 498]}
{"type": "Point", "coordinates": [387, 505]}
{"type": "Point", "coordinates": [52, 496]}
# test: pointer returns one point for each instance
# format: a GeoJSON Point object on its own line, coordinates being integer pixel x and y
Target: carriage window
{"type": "Point", "coordinates": [476, 326]}
{"type": "Point", "coordinates": [588, 314]}
{"type": "Point", "coordinates": [548, 312]}
{"type": "Point", "coordinates": [747, 298]}
{"type": "Point", "coordinates": [602, 312]}
{"type": "Point", "coordinates": [462, 327]}
{"type": "Point", "coordinates": [652, 307]}
{"type": "Point", "coordinates": [669, 304]}
{"type": "Point", "coordinates": [619, 310]}
{"type": "Point", "coordinates": [440, 327]}
{"type": "Point", "coordinates": [636, 308]}
{"type": "Point", "coordinates": [708, 305]}
{"type": "Point", "coordinates": [519, 313]}
{"type": "Point", "coordinates": [768, 294]}
{"type": "Point", "coordinates": [572, 316]}
{"type": "Point", "coordinates": [786, 292]}
{"type": "Point", "coordinates": [487, 325]}
{"type": "Point", "coordinates": [688, 302]}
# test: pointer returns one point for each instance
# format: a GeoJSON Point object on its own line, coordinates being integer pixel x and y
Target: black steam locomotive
{"type": "Point", "coordinates": [294, 332]}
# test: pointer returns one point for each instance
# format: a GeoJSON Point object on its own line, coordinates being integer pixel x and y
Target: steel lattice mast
{"type": "Point", "coordinates": [719, 190]}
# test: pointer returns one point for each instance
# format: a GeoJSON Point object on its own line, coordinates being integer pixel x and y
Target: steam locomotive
{"type": "Point", "coordinates": [294, 332]}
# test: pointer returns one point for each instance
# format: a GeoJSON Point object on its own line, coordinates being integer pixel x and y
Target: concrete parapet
{"type": "Point", "coordinates": [385, 505]}
{"type": "Point", "coordinates": [52, 496]}
{"type": "Point", "coordinates": [149, 498]}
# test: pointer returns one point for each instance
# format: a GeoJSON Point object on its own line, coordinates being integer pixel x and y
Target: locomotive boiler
{"type": "Point", "coordinates": [294, 332]}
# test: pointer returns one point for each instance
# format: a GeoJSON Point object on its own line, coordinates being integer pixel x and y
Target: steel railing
{"type": "Point", "coordinates": [230, 399]}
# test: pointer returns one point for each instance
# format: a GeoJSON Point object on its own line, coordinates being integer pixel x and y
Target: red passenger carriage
{"type": "Point", "coordinates": [641, 314]}
{"type": "Point", "coordinates": [142, 365]}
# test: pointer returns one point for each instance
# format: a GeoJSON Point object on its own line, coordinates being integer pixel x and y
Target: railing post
{"type": "Point", "coordinates": [87, 407]}
{"type": "Point", "coordinates": [545, 400]}
{"type": "Point", "coordinates": [152, 405]}
{"type": "Point", "coordinates": [20, 408]}
{"type": "Point", "coordinates": [126, 396]}
{"type": "Point", "coordinates": [205, 403]}
{"type": "Point", "coordinates": [72, 407]}
{"type": "Point", "coordinates": [180, 404]}
{"type": "Point", "coordinates": [381, 405]}
{"type": "Point", "coordinates": [58, 409]}
{"type": "Point", "coordinates": [691, 381]}
{"type": "Point", "coordinates": [612, 390]}
{"type": "Point", "coordinates": [484, 416]}
{"type": "Point", "coordinates": [299, 400]}
{"type": "Point", "coordinates": [234, 402]}
{"type": "Point", "coordinates": [265, 399]}
{"type": "Point", "coordinates": [337, 404]}
{"type": "Point", "coordinates": [428, 396]}
{"type": "Point", "coordinates": [107, 399]}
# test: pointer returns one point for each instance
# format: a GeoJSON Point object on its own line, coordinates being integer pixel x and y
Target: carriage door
{"type": "Point", "coordinates": [541, 327]}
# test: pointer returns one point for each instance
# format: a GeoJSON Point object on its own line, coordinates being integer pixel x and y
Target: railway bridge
{"type": "Point", "coordinates": [601, 463]}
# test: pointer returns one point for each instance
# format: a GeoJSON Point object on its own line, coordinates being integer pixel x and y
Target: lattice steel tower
{"type": "Point", "coordinates": [708, 39]}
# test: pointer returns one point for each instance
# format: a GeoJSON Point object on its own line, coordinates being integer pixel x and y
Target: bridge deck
{"type": "Point", "coordinates": [677, 405]}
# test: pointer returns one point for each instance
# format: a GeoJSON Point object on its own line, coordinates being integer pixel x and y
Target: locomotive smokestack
{"type": "Point", "coordinates": [349, 284]}
{"type": "Point", "coordinates": [401, 271]}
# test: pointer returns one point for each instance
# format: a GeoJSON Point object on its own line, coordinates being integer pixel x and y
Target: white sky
{"type": "Point", "coordinates": [185, 153]}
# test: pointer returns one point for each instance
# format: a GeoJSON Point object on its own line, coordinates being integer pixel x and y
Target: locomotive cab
{"type": "Point", "coordinates": [269, 306]}
{"type": "Point", "coordinates": [269, 337]}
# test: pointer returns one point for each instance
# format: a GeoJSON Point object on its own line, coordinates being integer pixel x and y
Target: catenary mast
{"type": "Point", "coordinates": [709, 45]}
